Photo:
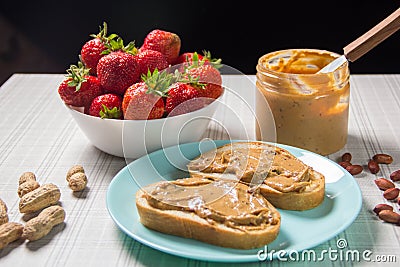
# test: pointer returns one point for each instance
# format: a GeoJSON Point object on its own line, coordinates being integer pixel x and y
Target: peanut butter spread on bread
{"type": "Point", "coordinates": [217, 201]}
{"type": "Point", "coordinates": [279, 169]}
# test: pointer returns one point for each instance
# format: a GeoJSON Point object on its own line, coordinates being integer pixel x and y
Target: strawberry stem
{"type": "Point", "coordinates": [116, 43]}
{"type": "Point", "coordinates": [159, 83]}
{"type": "Point", "coordinates": [106, 113]}
{"type": "Point", "coordinates": [78, 75]}
{"type": "Point", "coordinates": [215, 62]}
{"type": "Point", "coordinates": [102, 35]}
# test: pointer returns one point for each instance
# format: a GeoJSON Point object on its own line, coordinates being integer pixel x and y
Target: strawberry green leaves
{"type": "Point", "coordinates": [215, 62]}
{"type": "Point", "coordinates": [102, 35]}
{"type": "Point", "coordinates": [107, 113]}
{"type": "Point", "coordinates": [78, 75]}
{"type": "Point", "coordinates": [159, 83]}
{"type": "Point", "coordinates": [117, 43]}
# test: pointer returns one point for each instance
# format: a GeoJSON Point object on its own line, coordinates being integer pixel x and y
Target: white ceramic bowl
{"type": "Point", "coordinates": [135, 138]}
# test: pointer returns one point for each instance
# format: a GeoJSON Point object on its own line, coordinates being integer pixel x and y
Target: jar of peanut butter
{"type": "Point", "coordinates": [310, 109]}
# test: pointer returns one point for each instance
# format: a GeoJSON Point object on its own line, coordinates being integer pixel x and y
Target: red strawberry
{"type": "Point", "coordinates": [137, 104]}
{"type": "Point", "coordinates": [91, 54]}
{"type": "Point", "coordinates": [194, 58]}
{"type": "Point", "coordinates": [188, 57]}
{"type": "Point", "coordinates": [92, 49]}
{"type": "Point", "coordinates": [181, 99]}
{"type": "Point", "coordinates": [149, 60]}
{"type": "Point", "coordinates": [79, 88]}
{"type": "Point", "coordinates": [119, 69]}
{"type": "Point", "coordinates": [209, 76]}
{"type": "Point", "coordinates": [106, 106]}
{"type": "Point", "coordinates": [168, 43]}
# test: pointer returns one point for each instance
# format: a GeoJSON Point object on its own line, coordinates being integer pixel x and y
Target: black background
{"type": "Point", "coordinates": [239, 33]}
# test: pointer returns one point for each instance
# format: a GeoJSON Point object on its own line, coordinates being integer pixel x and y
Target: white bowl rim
{"type": "Point", "coordinates": [74, 109]}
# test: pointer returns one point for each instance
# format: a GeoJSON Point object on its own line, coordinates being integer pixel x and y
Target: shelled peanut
{"type": "Point", "coordinates": [373, 164]}
{"type": "Point", "coordinates": [345, 162]}
{"type": "Point", "coordinates": [390, 192]}
{"type": "Point", "coordinates": [389, 216]}
{"type": "Point", "coordinates": [384, 184]}
{"type": "Point", "coordinates": [382, 158]}
{"type": "Point", "coordinates": [27, 183]}
{"type": "Point", "coordinates": [380, 207]}
{"type": "Point", "coordinates": [76, 178]}
{"type": "Point", "coordinates": [376, 160]}
{"type": "Point", "coordinates": [395, 176]}
{"type": "Point", "coordinates": [42, 224]}
{"type": "Point", "coordinates": [386, 212]}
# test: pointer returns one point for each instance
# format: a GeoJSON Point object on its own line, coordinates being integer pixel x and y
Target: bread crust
{"type": "Point", "coordinates": [190, 225]}
{"type": "Point", "coordinates": [298, 200]}
{"type": "Point", "coordinates": [307, 194]}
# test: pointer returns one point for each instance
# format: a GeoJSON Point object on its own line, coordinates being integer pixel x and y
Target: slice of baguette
{"type": "Point", "coordinates": [188, 224]}
{"type": "Point", "coordinates": [288, 183]}
{"type": "Point", "coordinates": [311, 196]}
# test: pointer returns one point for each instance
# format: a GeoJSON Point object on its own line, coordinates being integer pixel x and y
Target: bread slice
{"type": "Point", "coordinates": [240, 225]}
{"type": "Point", "coordinates": [286, 181]}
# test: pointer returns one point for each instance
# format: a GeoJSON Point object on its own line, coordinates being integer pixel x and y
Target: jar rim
{"type": "Point", "coordinates": [275, 54]}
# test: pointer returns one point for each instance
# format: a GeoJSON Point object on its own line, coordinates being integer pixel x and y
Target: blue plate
{"type": "Point", "coordinates": [300, 230]}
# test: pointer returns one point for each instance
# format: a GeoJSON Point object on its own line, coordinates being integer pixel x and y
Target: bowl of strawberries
{"type": "Point", "coordinates": [130, 101]}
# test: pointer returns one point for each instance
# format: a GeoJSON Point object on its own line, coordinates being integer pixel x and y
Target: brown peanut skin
{"type": "Point", "coordinates": [42, 224]}
{"type": "Point", "coordinates": [42, 197]}
{"type": "Point", "coordinates": [344, 164]}
{"type": "Point", "coordinates": [382, 158]}
{"type": "Point", "coordinates": [378, 208]}
{"type": "Point", "coordinates": [27, 176]}
{"type": "Point", "coordinates": [3, 212]}
{"type": "Point", "coordinates": [10, 232]}
{"type": "Point", "coordinates": [391, 193]}
{"type": "Point", "coordinates": [346, 157]}
{"type": "Point", "coordinates": [395, 176]}
{"type": "Point", "coordinates": [354, 169]}
{"type": "Point", "coordinates": [384, 184]}
{"type": "Point", "coordinates": [389, 216]}
{"type": "Point", "coordinates": [373, 167]}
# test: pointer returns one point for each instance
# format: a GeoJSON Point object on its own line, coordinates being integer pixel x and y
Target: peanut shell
{"type": "Point", "coordinates": [27, 176]}
{"type": "Point", "coordinates": [42, 197]}
{"type": "Point", "coordinates": [10, 232]}
{"type": "Point", "coordinates": [3, 212]}
{"type": "Point", "coordinates": [41, 225]}
{"type": "Point", "coordinates": [27, 187]}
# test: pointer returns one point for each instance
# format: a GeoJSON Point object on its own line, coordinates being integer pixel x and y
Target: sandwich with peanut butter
{"type": "Point", "coordinates": [221, 212]}
{"type": "Point", "coordinates": [284, 180]}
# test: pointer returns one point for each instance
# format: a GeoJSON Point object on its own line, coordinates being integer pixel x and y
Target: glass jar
{"type": "Point", "coordinates": [310, 110]}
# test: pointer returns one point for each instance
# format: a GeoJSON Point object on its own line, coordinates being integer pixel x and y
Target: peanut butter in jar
{"type": "Point", "coordinates": [310, 110]}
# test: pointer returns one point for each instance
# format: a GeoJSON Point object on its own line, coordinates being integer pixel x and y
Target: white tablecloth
{"type": "Point", "coordinates": [38, 134]}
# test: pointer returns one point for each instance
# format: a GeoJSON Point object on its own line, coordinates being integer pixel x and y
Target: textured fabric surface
{"type": "Point", "coordinates": [38, 134]}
